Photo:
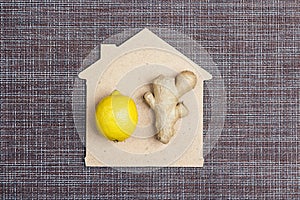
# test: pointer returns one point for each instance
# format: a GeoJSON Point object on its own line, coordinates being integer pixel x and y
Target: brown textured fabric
{"type": "Point", "coordinates": [256, 47]}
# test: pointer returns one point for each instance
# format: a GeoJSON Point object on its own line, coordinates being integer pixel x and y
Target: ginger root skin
{"type": "Point", "coordinates": [165, 102]}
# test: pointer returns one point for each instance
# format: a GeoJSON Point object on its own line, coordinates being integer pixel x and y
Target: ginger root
{"type": "Point", "coordinates": [165, 102]}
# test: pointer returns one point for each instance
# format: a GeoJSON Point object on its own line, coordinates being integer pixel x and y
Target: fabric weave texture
{"type": "Point", "coordinates": [255, 45]}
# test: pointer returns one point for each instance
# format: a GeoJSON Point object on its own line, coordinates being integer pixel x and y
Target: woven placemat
{"type": "Point", "coordinates": [256, 48]}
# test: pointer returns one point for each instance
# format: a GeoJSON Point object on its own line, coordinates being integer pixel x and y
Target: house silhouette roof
{"type": "Point", "coordinates": [143, 39]}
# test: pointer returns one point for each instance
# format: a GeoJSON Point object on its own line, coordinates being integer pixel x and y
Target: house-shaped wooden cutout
{"type": "Point", "coordinates": [130, 68]}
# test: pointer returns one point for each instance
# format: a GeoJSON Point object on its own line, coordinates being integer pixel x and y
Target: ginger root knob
{"type": "Point", "coordinates": [165, 102]}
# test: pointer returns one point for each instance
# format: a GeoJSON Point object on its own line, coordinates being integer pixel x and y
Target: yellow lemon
{"type": "Point", "coordinates": [116, 116]}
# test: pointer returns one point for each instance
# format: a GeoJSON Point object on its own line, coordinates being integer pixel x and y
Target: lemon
{"type": "Point", "coordinates": [116, 116]}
